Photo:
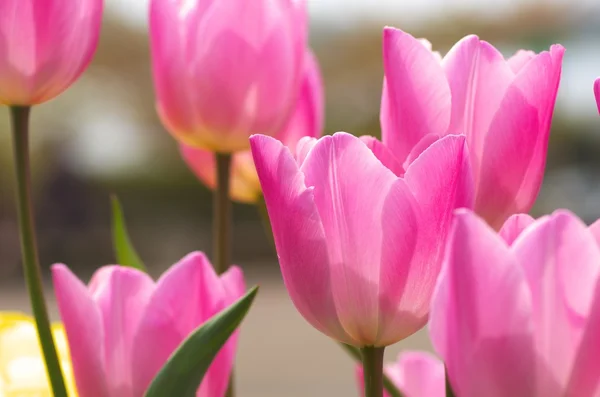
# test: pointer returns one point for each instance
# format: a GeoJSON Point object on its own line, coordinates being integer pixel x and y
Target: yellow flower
{"type": "Point", "coordinates": [22, 370]}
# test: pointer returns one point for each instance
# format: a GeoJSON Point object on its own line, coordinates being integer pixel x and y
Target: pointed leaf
{"type": "Point", "coordinates": [126, 254]}
{"type": "Point", "coordinates": [183, 372]}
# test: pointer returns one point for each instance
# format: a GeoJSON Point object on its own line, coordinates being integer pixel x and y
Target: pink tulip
{"type": "Point", "coordinates": [597, 92]}
{"type": "Point", "coordinates": [520, 320]}
{"type": "Point", "coordinates": [123, 326]}
{"type": "Point", "coordinates": [226, 69]}
{"type": "Point", "coordinates": [415, 374]}
{"type": "Point", "coordinates": [359, 246]}
{"type": "Point", "coordinates": [45, 45]}
{"type": "Point", "coordinates": [307, 120]}
{"type": "Point", "coordinates": [503, 107]}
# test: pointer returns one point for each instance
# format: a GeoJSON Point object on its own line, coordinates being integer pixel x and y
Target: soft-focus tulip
{"type": "Point", "coordinates": [123, 326]}
{"type": "Point", "coordinates": [359, 246]}
{"type": "Point", "coordinates": [45, 45]}
{"type": "Point", "coordinates": [22, 368]}
{"type": "Point", "coordinates": [226, 69]}
{"type": "Point", "coordinates": [415, 374]}
{"type": "Point", "coordinates": [520, 319]}
{"type": "Point", "coordinates": [307, 120]}
{"type": "Point", "coordinates": [597, 93]}
{"type": "Point", "coordinates": [503, 106]}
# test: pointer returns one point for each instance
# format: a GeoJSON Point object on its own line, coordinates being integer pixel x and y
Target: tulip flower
{"type": "Point", "coordinates": [597, 92]}
{"type": "Point", "coordinates": [307, 120]}
{"type": "Point", "coordinates": [521, 318]}
{"type": "Point", "coordinates": [415, 374]}
{"type": "Point", "coordinates": [123, 326]}
{"type": "Point", "coordinates": [359, 246]}
{"type": "Point", "coordinates": [45, 45]}
{"type": "Point", "coordinates": [226, 69]}
{"type": "Point", "coordinates": [21, 361]}
{"type": "Point", "coordinates": [503, 106]}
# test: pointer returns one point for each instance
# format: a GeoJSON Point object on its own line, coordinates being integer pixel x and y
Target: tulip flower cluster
{"type": "Point", "coordinates": [376, 239]}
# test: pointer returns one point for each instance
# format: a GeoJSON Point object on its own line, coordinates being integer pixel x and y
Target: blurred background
{"type": "Point", "coordinates": [103, 136]}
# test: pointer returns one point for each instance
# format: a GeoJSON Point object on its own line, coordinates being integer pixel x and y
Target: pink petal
{"type": "Point", "coordinates": [514, 225]}
{"type": "Point", "coordinates": [478, 77]}
{"type": "Point", "coordinates": [416, 95]}
{"type": "Point", "coordinates": [298, 234]}
{"type": "Point", "coordinates": [350, 191]}
{"type": "Point", "coordinates": [595, 229]}
{"type": "Point", "coordinates": [510, 146]}
{"type": "Point", "coordinates": [423, 144]}
{"type": "Point", "coordinates": [121, 294]}
{"type": "Point", "coordinates": [585, 374]}
{"type": "Point", "coordinates": [308, 116]}
{"type": "Point", "coordinates": [84, 328]}
{"type": "Point", "coordinates": [303, 147]}
{"type": "Point", "coordinates": [418, 374]}
{"type": "Point", "coordinates": [561, 261]}
{"type": "Point", "coordinates": [480, 316]}
{"type": "Point", "coordinates": [188, 294]}
{"type": "Point", "coordinates": [384, 154]}
{"type": "Point", "coordinates": [597, 92]}
{"type": "Point", "coordinates": [520, 59]}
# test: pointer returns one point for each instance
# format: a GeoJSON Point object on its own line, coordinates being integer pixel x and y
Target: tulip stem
{"type": "Point", "coordinates": [222, 214]}
{"type": "Point", "coordinates": [31, 265]}
{"type": "Point", "coordinates": [372, 358]}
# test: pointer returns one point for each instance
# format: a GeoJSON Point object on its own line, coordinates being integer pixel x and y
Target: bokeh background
{"type": "Point", "coordinates": [103, 136]}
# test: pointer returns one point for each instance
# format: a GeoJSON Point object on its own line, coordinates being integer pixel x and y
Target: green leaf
{"type": "Point", "coordinates": [183, 372]}
{"type": "Point", "coordinates": [388, 385]}
{"type": "Point", "coordinates": [126, 254]}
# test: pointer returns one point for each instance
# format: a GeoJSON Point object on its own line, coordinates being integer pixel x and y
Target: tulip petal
{"type": "Point", "coordinates": [561, 289]}
{"type": "Point", "coordinates": [478, 77]}
{"type": "Point", "coordinates": [84, 328]}
{"type": "Point", "coordinates": [595, 229]}
{"type": "Point", "coordinates": [303, 147]}
{"type": "Point", "coordinates": [298, 234]}
{"type": "Point", "coordinates": [480, 317]}
{"type": "Point", "coordinates": [520, 59]}
{"type": "Point", "coordinates": [350, 189]}
{"type": "Point", "coordinates": [513, 227]}
{"type": "Point", "coordinates": [384, 154]}
{"type": "Point", "coordinates": [418, 374]}
{"type": "Point", "coordinates": [416, 95]}
{"type": "Point", "coordinates": [597, 92]}
{"type": "Point", "coordinates": [121, 294]}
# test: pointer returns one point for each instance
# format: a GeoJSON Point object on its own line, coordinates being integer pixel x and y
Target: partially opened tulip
{"type": "Point", "coordinates": [360, 246]}
{"type": "Point", "coordinates": [523, 318]}
{"type": "Point", "coordinates": [123, 326]}
{"type": "Point", "coordinates": [503, 106]}
{"type": "Point", "coordinates": [306, 121]}
{"type": "Point", "coordinates": [22, 370]}
{"type": "Point", "coordinates": [45, 45]}
{"type": "Point", "coordinates": [415, 374]}
{"type": "Point", "coordinates": [226, 69]}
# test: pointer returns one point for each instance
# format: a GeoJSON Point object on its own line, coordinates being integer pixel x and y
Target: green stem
{"type": "Point", "coordinates": [31, 265]}
{"type": "Point", "coordinates": [222, 227]}
{"type": "Point", "coordinates": [266, 222]}
{"type": "Point", "coordinates": [222, 214]}
{"type": "Point", "coordinates": [373, 370]}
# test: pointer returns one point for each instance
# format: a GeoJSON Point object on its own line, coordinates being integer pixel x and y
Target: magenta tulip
{"type": "Point", "coordinates": [123, 326]}
{"type": "Point", "coordinates": [359, 246]}
{"type": "Point", "coordinates": [45, 45]}
{"type": "Point", "coordinates": [415, 374]}
{"type": "Point", "coordinates": [503, 106]}
{"type": "Point", "coordinates": [226, 69]}
{"type": "Point", "coordinates": [520, 319]}
{"type": "Point", "coordinates": [307, 120]}
{"type": "Point", "coordinates": [597, 93]}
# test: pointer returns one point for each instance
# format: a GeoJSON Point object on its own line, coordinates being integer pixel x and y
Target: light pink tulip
{"type": "Point", "coordinates": [597, 93]}
{"type": "Point", "coordinates": [45, 45]}
{"type": "Point", "coordinates": [226, 69]}
{"type": "Point", "coordinates": [307, 120]}
{"type": "Point", "coordinates": [415, 374]}
{"type": "Point", "coordinates": [359, 246]}
{"type": "Point", "coordinates": [123, 326]}
{"type": "Point", "coordinates": [503, 106]}
{"type": "Point", "coordinates": [520, 320]}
